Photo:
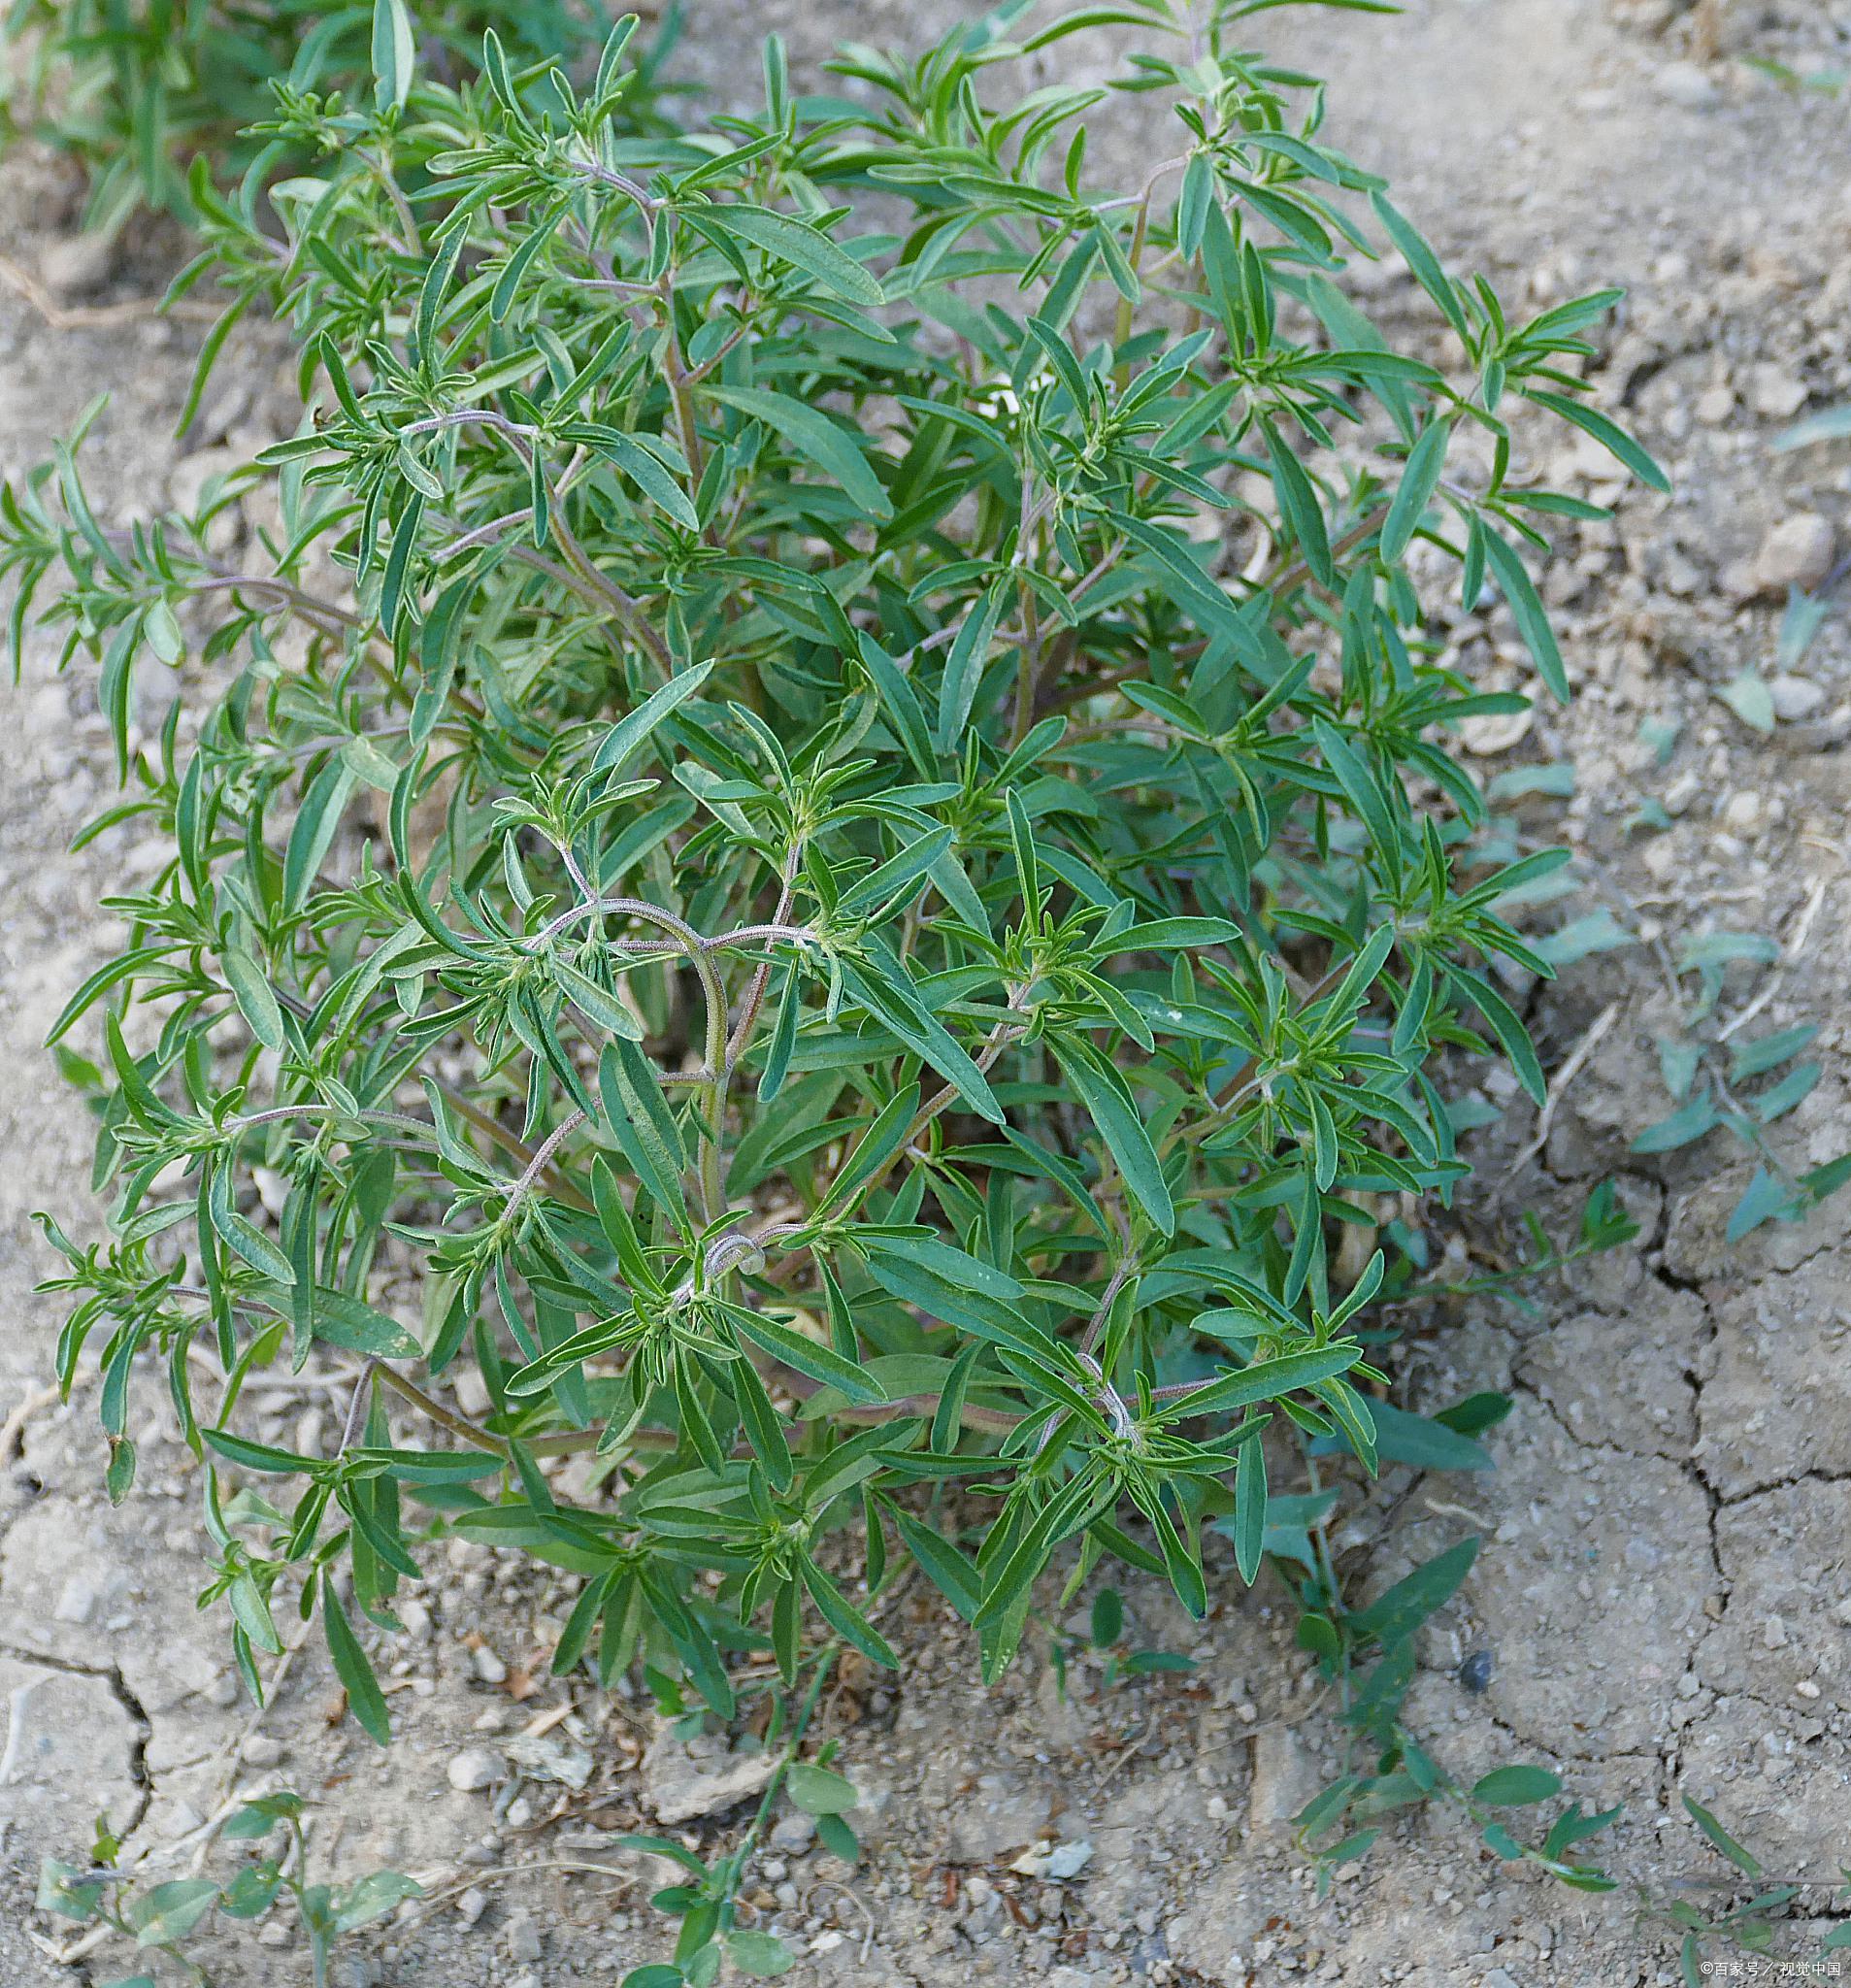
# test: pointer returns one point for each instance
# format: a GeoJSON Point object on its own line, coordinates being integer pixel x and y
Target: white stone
{"type": "Point", "coordinates": [1795, 698]}
{"type": "Point", "coordinates": [678, 1787]}
{"type": "Point", "coordinates": [77, 1600]}
{"type": "Point", "coordinates": [522, 1936]}
{"type": "Point", "coordinates": [475, 1768]}
{"type": "Point", "coordinates": [1775, 392]}
{"type": "Point", "coordinates": [1069, 1860]}
{"type": "Point", "coordinates": [1688, 86]}
{"type": "Point", "coordinates": [77, 266]}
{"type": "Point", "coordinates": [1795, 552]}
{"type": "Point", "coordinates": [1285, 1778]}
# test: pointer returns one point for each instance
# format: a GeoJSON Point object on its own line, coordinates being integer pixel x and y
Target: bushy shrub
{"type": "Point", "coordinates": [822, 794]}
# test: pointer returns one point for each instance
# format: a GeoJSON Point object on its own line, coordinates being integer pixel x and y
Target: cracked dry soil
{"type": "Point", "coordinates": [1665, 1584]}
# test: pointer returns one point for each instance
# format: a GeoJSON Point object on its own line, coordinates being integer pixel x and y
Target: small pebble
{"type": "Point", "coordinates": [1797, 552]}
{"type": "Point", "coordinates": [77, 1600]}
{"type": "Point", "coordinates": [522, 1936]}
{"type": "Point", "coordinates": [78, 266]}
{"type": "Point", "coordinates": [1795, 699]}
{"type": "Point", "coordinates": [1686, 85]}
{"type": "Point", "coordinates": [1475, 1673]}
{"type": "Point", "coordinates": [475, 1768]}
{"type": "Point", "coordinates": [1776, 393]}
{"type": "Point", "coordinates": [793, 1834]}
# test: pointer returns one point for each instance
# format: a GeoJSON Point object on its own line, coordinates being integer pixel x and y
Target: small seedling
{"type": "Point", "coordinates": [160, 1917]}
{"type": "Point", "coordinates": [1105, 1631]}
{"type": "Point", "coordinates": [1749, 1926]}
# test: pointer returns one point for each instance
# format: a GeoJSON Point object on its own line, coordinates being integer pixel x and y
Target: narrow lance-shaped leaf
{"type": "Point", "coordinates": [1104, 1095]}
{"type": "Point", "coordinates": [394, 51]}
{"type": "Point", "coordinates": [1527, 609]}
{"type": "Point", "coordinates": [803, 247]}
{"type": "Point", "coordinates": [815, 438]}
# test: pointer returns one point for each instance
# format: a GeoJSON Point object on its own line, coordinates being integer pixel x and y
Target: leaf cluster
{"type": "Point", "coordinates": [136, 90]}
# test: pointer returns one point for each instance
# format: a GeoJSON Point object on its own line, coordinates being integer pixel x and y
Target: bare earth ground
{"type": "Point", "coordinates": [1665, 1586]}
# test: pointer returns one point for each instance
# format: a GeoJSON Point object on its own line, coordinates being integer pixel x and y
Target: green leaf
{"type": "Point", "coordinates": [1249, 1524]}
{"type": "Point", "coordinates": [1363, 793]}
{"type": "Point", "coordinates": [1170, 935]}
{"type": "Point", "coordinates": [1107, 1103]}
{"type": "Point", "coordinates": [820, 1790]}
{"type": "Point", "coordinates": [943, 1565]}
{"type": "Point", "coordinates": [600, 1006]}
{"type": "Point", "coordinates": [1793, 1089]}
{"type": "Point", "coordinates": [372, 1896]}
{"type": "Point", "coordinates": [1687, 1124]}
{"type": "Point", "coordinates": [1506, 1026]}
{"type": "Point", "coordinates": [1514, 1788]}
{"type": "Point", "coordinates": [1747, 695]}
{"type": "Point", "coordinates": [165, 1913]}
{"type": "Point", "coordinates": [1743, 1860]}
{"type": "Point", "coordinates": [394, 53]}
{"type": "Point", "coordinates": [815, 438]}
{"type": "Point", "coordinates": [806, 1355]}
{"type": "Point", "coordinates": [881, 889]}
{"type": "Point", "coordinates": [889, 995]}
{"type": "Point", "coordinates": [646, 471]}
{"type": "Point", "coordinates": [1299, 503]}
{"type": "Point", "coordinates": [1421, 259]}
{"type": "Point", "coordinates": [255, 1002]}
{"type": "Point", "coordinates": [762, 1955]}
{"type": "Point", "coordinates": [341, 1320]}
{"type": "Point", "coordinates": [1766, 1198]}
{"type": "Point", "coordinates": [1759, 1054]}
{"type": "Point", "coordinates": [1834, 424]}
{"type": "Point", "coordinates": [641, 1124]}
{"type": "Point", "coordinates": [847, 1621]}
{"type": "Point", "coordinates": [964, 668]}
{"type": "Point", "coordinates": [243, 1238]}
{"type": "Point", "coordinates": [255, 1456]}
{"type": "Point", "coordinates": [1394, 1617]}
{"type": "Point", "coordinates": [1265, 1380]}
{"type": "Point", "coordinates": [901, 705]}
{"type": "Point", "coordinates": [803, 247]}
{"type": "Point", "coordinates": [1613, 439]}
{"type": "Point", "coordinates": [1420, 478]}
{"type": "Point", "coordinates": [313, 832]}
{"type": "Point", "coordinates": [1528, 611]}
{"type": "Point", "coordinates": [365, 1701]}
{"type": "Point", "coordinates": [1421, 1443]}
{"type": "Point", "coordinates": [629, 732]}
{"type": "Point", "coordinates": [1596, 931]}
{"type": "Point", "coordinates": [68, 1891]}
